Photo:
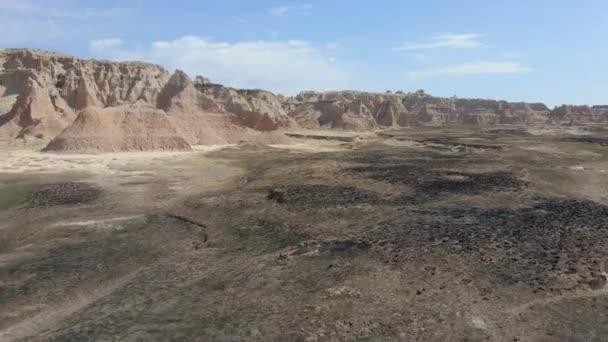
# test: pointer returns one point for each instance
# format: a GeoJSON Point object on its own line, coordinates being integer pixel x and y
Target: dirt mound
{"type": "Point", "coordinates": [126, 128]}
{"type": "Point", "coordinates": [65, 194]}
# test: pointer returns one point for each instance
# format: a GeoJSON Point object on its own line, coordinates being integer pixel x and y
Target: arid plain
{"type": "Point", "coordinates": [468, 233]}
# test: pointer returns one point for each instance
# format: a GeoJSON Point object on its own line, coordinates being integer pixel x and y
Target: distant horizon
{"type": "Point", "coordinates": [192, 76]}
{"type": "Point", "coordinates": [472, 49]}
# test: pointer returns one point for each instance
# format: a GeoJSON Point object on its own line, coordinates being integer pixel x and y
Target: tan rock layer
{"type": "Point", "coordinates": [41, 94]}
{"type": "Point", "coordinates": [136, 127]}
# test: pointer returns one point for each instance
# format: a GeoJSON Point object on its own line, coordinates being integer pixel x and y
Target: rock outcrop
{"type": "Point", "coordinates": [135, 127]}
{"type": "Point", "coordinates": [213, 114]}
{"type": "Point", "coordinates": [357, 110]}
{"type": "Point", "coordinates": [36, 112]}
{"type": "Point", "coordinates": [41, 94]}
{"type": "Point", "coordinates": [49, 95]}
{"type": "Point", "coordinates": [579, 115]}
{"type": "Point", "coordinates": [42, 91]}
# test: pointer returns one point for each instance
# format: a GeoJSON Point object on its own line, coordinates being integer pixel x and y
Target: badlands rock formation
{"type": "Point", "coordinates": [96, 105]}
{"type": "Point", "coordinates": [133, 127]}
{"type": "Point", "coordinates": [356, 110]}
{"type": "Point", "coordinates": [579, 115]}
{"type": "Point", "coordinates": [56, 97]}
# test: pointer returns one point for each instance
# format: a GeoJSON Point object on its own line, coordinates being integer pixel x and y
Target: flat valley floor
{"type": "Point", "coordinates": [426, 234]}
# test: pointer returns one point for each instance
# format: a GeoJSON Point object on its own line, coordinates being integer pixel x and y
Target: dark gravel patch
{"type": "Point", "coordinates": [429, 183]}
{"type": "Point", "coordinates": [450, 144]}
{"type": "Point", "coordinates": [533, 245]}
{"type": "Point", "coordinates": [65, 194]}
{"type": "Point", "coordinates": [589, 140]}
{"type": "Point", "coordinates": [506, 131]}
{"type": "Point", "coordinates": [319, 195]}
{"type": "Point", "coordinates": [426, 186]}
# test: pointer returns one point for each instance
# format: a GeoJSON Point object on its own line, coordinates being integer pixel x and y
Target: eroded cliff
{"type": "Point", "coordinates": [52, 96]}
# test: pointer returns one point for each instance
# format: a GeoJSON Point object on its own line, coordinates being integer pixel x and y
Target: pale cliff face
{"type": "Point", "coordinates": [368, 111]}
{"type": "Point", "coordinates": [42, 93]}
{"type": "Point", "coordinates": [51, 88]}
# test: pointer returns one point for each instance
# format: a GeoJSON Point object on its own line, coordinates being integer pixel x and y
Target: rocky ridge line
{"type": "Point", "coordinates": [54, 97]}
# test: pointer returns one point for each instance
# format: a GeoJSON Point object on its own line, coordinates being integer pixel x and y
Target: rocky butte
{"type": "Point", "coordinates": [72, 104]}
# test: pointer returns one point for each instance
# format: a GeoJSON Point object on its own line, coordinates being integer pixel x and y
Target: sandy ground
{"type": "Point", "coordinates": [26, 160]}
{"type": "Point", "coordinates": [18, 161]}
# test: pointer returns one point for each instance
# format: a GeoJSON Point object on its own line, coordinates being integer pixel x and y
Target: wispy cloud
{"type": "Point", "coordinates": [473, 68]}
{"type": "Point", "coordinates": [445, 40]}
{"type": "Point", "coordinates": [283, 11]}
{"type": "Point", "coordinates": [282, 66]}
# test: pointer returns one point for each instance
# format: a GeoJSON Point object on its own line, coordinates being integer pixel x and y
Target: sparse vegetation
{"type": "Point", "coordinates": [367, 239]}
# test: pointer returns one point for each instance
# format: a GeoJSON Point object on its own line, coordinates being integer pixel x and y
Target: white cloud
{"type": "Point", "coordinates": [283, 11]}
{"type": "Point", "coordinates": [473, 68]}
{"type": "Point", "coordinates": [446, 40]}
{"type": "Point", "coordinates": [285, 67]}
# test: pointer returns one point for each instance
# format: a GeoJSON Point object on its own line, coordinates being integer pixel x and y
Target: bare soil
{"type": "Point", "coordinates": [493, 236]}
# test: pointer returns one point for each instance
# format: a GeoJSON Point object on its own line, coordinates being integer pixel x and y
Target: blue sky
{"type": "Point", "coordinates": [548, 51]}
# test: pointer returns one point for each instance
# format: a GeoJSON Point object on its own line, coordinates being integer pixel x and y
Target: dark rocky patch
{"type": "Point", "coordinates": [589, 140]}
{"type": "Point", "coordinates": [65, 194]}
{"type": "Point", "coordinates": [135, 183]}
{"type": "Point", "coordinates": [62, 268]}
{"type": "Point", "coordinates": [329, 247]}
{"type": "Point", "coordinates": [320, 195]}
{"type": "Point", "coordinates": [426, 186]}
{"type": "Point", "coordinates": [466, 183]}
{"type": "Point", "coordinates": [450, 144]}
{"type": "Point", "coordinates": [533, 245]}
{"type": "Point", "coordinates": [507, 131]}
{"type": "Point", "coordinates": [423, 160]}
{"type": "Point", "coordinates": [599, 283]}
{"type": "Point", "coordinates": [268, 235]}
{"type": "Point", "coordinates": [429, 183]}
